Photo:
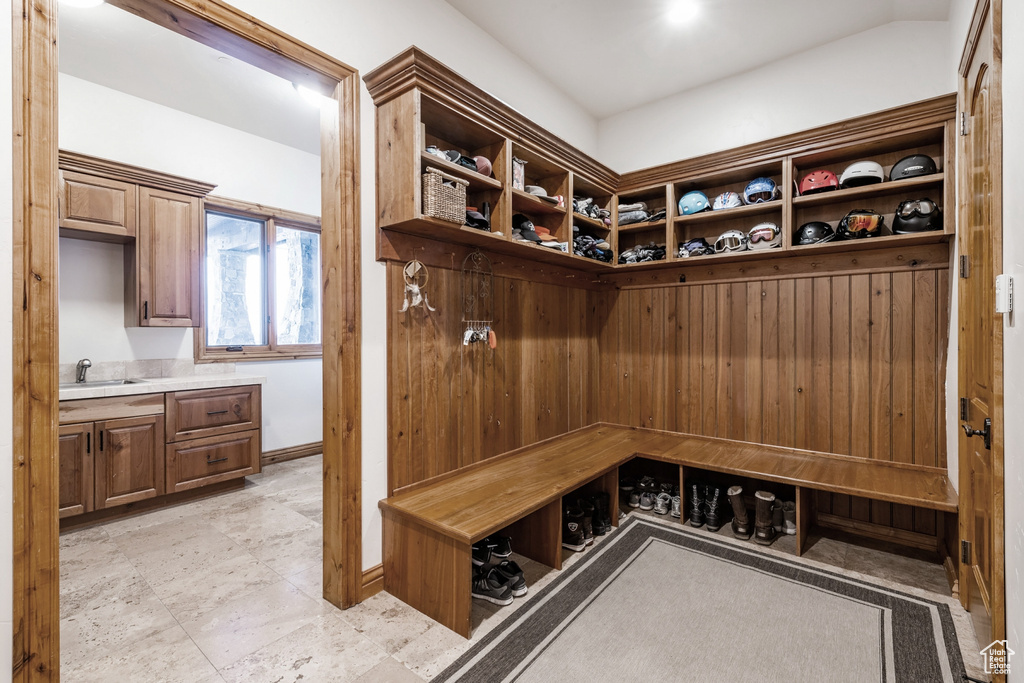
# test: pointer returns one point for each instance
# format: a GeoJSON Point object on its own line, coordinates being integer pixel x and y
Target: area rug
{"type": "Point", "coordinates": [656, 603]}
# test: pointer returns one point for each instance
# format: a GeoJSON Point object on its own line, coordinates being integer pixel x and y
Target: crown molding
{"type": "Point", "coordinates": [83, 163]}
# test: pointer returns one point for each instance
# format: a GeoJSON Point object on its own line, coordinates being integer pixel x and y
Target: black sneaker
{"type": "Point", "coordinates": [602, 515]}
{"type": "Point", "coordinates": [482, 553]}
{"type": "Point", "coordinates": [588, 519]}
{"type": "Point", "coordinates": [572, 529]}
{"type": "Point", "coordinates": [501, 546]}
{"type": "Point", "coordinates": [648, 485]}
{"type": "Point", "coordinates": [492, 587]}
{"type": "Point", "coordinates": [513, 576]}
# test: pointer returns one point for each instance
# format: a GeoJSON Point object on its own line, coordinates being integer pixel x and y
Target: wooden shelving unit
{"type": "Point", "coordinates": [415, 112]}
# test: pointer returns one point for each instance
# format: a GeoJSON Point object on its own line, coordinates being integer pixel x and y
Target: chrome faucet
{"type": "Point", "coordinates": [83, 365]}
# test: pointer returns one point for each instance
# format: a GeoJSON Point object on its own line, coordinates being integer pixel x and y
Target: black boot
{"type": "Point", "coordinates": [740, 520]}
{"type": "Point", "coordinates": [572, 529]}
{"type": "Point", "coordinates": [588, 519]}
{"type": "Point", "coordinates": [714, 516]}
{"type": "Point", "coordinates": [764, 532]}
{"type": "Point", "coordinates": [697, 505]}
{"type": "Point", "coordinates": [602, 514]}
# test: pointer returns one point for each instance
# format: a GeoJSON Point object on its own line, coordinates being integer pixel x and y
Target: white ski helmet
{"type": "Point", "coordinates": [862, 173]}
{"type": "Point", "coordinates": [727, 200]}
{"type": "Point", "coordinates": [731, 240]}
{"type": "Point", "coordinates": [764, 236]}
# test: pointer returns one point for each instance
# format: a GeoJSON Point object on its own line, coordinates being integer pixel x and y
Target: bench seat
{"type": "Point", "coordinates": [434, 523]}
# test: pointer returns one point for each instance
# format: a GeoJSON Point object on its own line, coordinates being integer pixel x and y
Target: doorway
{"type": "Point", "coordinates": [215, 24]}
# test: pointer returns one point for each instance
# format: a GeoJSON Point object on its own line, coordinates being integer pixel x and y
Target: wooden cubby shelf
{"type": "Point", "coordinates": [420, 102]}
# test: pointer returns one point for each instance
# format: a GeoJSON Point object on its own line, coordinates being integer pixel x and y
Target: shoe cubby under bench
{"type": "Point", "coordinates": [429, 527]}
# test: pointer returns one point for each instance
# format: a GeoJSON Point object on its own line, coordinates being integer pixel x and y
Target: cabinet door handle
{"type": "Point", "coordinates": [216, 412]}
{"type": "Point", "coordinates": [88, 442]}
{"type": "Point", "coordinates": [212, 462]}
{"type": "Point", "coordinates": [145, 310]}
{"type": "Point", "coordinates": [101, 440]}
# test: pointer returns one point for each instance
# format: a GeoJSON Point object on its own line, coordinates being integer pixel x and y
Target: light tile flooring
{"type": "Point", "coordinates": [228, 589]}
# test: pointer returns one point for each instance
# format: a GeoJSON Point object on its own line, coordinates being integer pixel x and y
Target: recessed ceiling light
{"type": "Point", "coordinates": [682, 11]}
{"type": "Point", "coordinates": [82, 3]}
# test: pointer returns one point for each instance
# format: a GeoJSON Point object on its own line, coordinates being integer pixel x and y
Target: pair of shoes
{"type": "Point", "coordinates": [587, 517]}
{"type": "Point", "coordinates": [662, 503]}
{"type": "Point", "coordinates": [491, 550]}
{"type": "Point", "coordinates": [645, 500]}
{"type": "Point", "coordinates": [704, 506]}
{"type": "Point", "coordinates": [602, 513]}
{"type": "Point", "coordinates": [784, 517]}
{"type": "Point", "coordinates": [500, 583]}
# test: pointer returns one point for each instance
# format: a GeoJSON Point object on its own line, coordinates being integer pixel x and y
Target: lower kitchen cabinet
{"type": "Point", "coordinates": [76, 475]}
{"type": "Point", "coordinates": [128, 467]}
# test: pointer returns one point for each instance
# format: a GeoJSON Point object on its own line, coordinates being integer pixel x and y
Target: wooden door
{"type": "Point", "coordinates": [76, 473]}
{"type": "Point", "coordinates": [97, 208]}
{"type": "Point", "coordinates": [168, 259]}
{"type": "Point", "coordinates": [129, 460]}
{"type": "Point", "coordinates": [981, 330]}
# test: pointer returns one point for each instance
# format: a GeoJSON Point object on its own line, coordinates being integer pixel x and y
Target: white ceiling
{"type": "Point", "coordinates": [612, 55]}
{"type": "Point", "coordinates": [121, 51]}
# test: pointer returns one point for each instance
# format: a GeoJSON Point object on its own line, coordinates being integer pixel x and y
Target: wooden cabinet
{"type": "Point", "coordinates": [76, 469]}
{"type": "Point", "coordinates": [115, 451]}
{"type": "Point", "coordinates": [162, 289]}
{"type": "Point", "coordinates": [97, 208]}
{"type": "Point", "coordinates": [200, 462]}
{"type": "Point", "coordinates": [128, 463]}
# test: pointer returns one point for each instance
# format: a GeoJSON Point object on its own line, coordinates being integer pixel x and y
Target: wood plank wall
{"type": "Point", "coordinates": [451, 405]}
{"type": "Point", "coordinates": [850, 364]}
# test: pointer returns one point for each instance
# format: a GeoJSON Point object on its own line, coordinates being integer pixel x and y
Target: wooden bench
{"type": "Point", "coordinates": [429, 527]}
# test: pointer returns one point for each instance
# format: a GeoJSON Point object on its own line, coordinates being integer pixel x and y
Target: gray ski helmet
{"type": "Point", "coordinates": [913, 166]}
{"type": "Point", "coordinates": [814, 232]}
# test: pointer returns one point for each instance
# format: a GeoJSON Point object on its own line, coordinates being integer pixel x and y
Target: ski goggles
{"type": "Point", "coordinates": [764, 196]}
{"type": "Point", "coordinates": [869, 223]}
{"type": "Point", "coordinates": [921, 207]}
{"type": "Point", "coordinates": [730, 243]}
{"type": "Point", "coordinates": [763, 233]}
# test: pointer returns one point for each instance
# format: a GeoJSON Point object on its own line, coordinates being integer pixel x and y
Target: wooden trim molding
{"type": "Point", "coordinates": [90, 165]}
{"type": "Point", "coordinates": [933, 112]}
{"type": "Point", "coordinates": [36, 612]}
{"type": "Point", "coordinates": [291, 453]}
{"type": "Point", "coordinates": [414, 68]}
{"type": "Point", "coordinates": [373, 582]}
{"type": "Point", "coordinates": [217, 203]}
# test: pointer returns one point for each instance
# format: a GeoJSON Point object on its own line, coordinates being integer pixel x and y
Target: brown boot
{"type": "Point", "coordinates": [764, 532]}
{"type": "Point", "coordinates": [740, 520]}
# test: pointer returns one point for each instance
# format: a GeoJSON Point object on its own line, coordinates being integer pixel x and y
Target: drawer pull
{"type": "Point", "coordinates": [216, 412]}
{"type": "Point", "coordinates": [211, 462]}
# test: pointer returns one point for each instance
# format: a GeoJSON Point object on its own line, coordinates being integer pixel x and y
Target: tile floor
{"type": "Point", "coordinates": [228, 589]}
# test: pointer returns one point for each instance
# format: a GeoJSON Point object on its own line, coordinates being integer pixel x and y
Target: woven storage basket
{"type": "Point", "coordinates": [447, 202]}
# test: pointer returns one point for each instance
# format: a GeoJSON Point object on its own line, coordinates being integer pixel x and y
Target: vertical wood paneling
{"type": "Point", "coordinates": [806, 407]}
{"type": "Point", "coordinates": [821, 407]}
{"type": "Point", "coordinates": [753, 377]}
{"type": "Point", "coordinates": [770, 363]}
{"type": "Point", "coordinates": [787, 364]}
{"type": "Point", "coordinates": [881, 381]}
{"type": "Point", "coordinates": [709, 361]}
{"type": "Point", "coordinates": [694, 359]}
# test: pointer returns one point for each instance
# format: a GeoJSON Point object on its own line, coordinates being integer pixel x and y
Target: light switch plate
{"type": "Point", "coordinates": [1004, 293]}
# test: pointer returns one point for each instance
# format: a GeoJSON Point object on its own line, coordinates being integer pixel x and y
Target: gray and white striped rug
{"type": "Point", "coordinates": [654, 603]}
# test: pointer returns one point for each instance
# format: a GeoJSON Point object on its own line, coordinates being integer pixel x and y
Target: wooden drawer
{"type": "Point", "coordinates": [207, 412]}
{"type": "Point", "coordinates": [199, 462]}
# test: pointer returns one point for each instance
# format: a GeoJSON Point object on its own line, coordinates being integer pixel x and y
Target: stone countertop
{"type": "Point", "coordinates": [158, 385]}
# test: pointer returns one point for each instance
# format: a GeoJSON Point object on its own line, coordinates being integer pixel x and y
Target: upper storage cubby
{"type": "Point", "coordinates": [547, 202]}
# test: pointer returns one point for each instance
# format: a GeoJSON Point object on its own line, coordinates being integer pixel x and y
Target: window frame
{"type": "Point", "coordinates": [272, 218]}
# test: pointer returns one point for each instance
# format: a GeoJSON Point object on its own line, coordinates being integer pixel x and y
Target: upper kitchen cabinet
{"type": "Point", "coordinates": [162, 280]}
{"type": "Point", "coordinates": [93, 207]}
{"type": "Point", "coordinates": [157, 216]}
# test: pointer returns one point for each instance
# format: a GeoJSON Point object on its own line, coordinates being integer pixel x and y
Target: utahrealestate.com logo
{"type": "Point", "coordinates": [997, 657]}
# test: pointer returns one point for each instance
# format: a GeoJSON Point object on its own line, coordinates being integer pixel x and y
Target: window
{"type": "Point", "coordinates": [260, 284]}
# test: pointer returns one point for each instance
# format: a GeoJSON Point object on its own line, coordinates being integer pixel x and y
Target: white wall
{"type": "Point", "coordinates": [110, 124]}
{"type": "Point", "coordinates": [809, 89]}
{"type": "Point", "coordinates": [6, 354]}
{"type": "Point", "coordinates": [1013, 340]}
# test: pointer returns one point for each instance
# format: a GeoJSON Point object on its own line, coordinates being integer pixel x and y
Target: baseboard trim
{"type": "Point", "coordinates": [292, 453]}
{"type": "Point", "coordinates": [373, 582]}
{"type": "Point", "coordinates": [879, 532]}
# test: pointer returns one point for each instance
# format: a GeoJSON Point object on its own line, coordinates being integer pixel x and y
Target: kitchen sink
{"type": "Point", "coordinates": [103, 383]}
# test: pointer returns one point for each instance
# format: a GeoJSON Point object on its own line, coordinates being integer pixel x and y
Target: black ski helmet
{"type": "Point", "coordinates": [913, 166]}
{"type": "Point", "coordinates": [814, 232]}
{"type": "Point", "coordinates": [860, 223]}
{"type": "Point", "coordinates": [917, 215]}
